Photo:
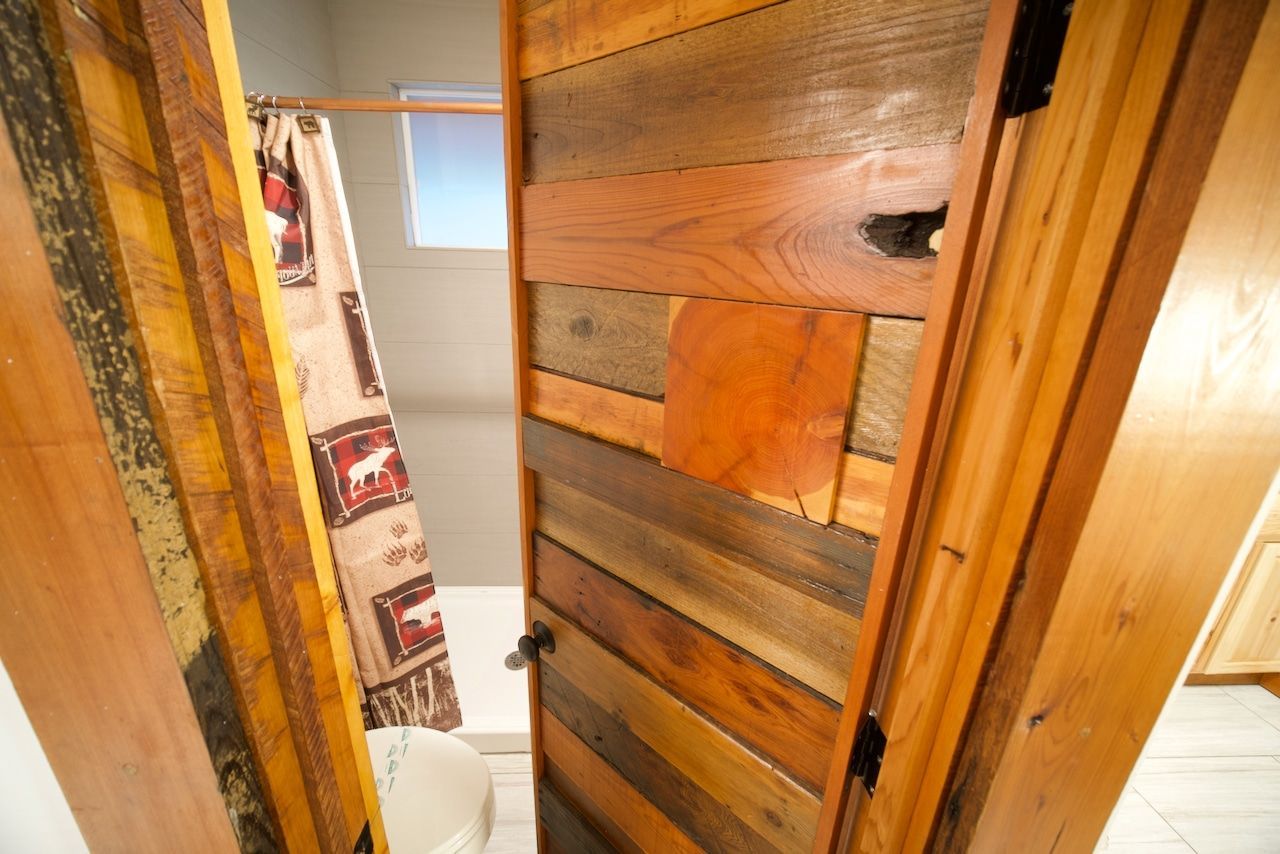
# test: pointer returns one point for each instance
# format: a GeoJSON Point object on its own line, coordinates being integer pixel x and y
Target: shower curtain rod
{"type": "Point", "coordinates": [291, 102]}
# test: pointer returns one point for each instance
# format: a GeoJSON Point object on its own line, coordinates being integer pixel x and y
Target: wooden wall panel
{"type": "Point", "coordinates": [771, 804]}
{"type": "Point", "coordinates": [761, 86]}
{"type": "Point", "coordinates": [826, 563]}
{"type": "Point", "coordinates": [789, 231]}
{"type": "Point", "coordinates": [624, 815]}
{"type": "Point", "coordinates": [778, 717]}
{"type": "Point", "coordinates": [802, 636]}
{"type": "Point", "coordinates": [614, 338]}
{"type": "Point", "coordinates": [757, 398]}
{"type": "Point", "coordinates": [710, 824]}
{"type": "Point", "coordinates": [570, 832]}
{"type": "Point", "coordinates": [556, 34]}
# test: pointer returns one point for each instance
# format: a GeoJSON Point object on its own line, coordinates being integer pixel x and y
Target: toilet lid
{"type": "Point", "coordinates": [435, 790]}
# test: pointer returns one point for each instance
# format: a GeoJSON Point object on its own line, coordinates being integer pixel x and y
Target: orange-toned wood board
{"type": "Point", "coordinates": [560, 33]}
{"type": "Point", "coordinates": [768, 802]}
{"type": "Point", "coordinates": [83, 639]}
{"type": "Point", "coordinates": [777, 716]}
{"type": "Point", "coordinates": [630, 821]}
{"type": "Point", "coordinates": [795, 232]}
{"type": "Point", "coordinates": [757, 398]}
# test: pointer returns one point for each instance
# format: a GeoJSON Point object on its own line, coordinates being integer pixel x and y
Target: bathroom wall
{"type": "Point", "coordinates": [440, 317]}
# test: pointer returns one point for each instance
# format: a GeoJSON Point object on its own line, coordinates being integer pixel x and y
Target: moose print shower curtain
{"type": "Point", "coordinates": [384, 575]}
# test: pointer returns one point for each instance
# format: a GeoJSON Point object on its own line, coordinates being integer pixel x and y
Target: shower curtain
{"type": "Point", "coordinates": [384, 574]}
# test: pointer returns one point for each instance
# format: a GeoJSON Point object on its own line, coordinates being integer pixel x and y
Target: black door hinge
{"type": "Point", "coordinates": [1037, 47]}
{"type": "Point", "coordinates": [868, 753]}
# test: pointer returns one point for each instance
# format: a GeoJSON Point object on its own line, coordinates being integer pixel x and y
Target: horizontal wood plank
{"type": "Point", "coordinates": [615, 338]}
{"type": "Point", "coordinates": [570, 831]}
{"type": "Point", "coordinates": [559, 33]}
{"type": "Point", "coordinates": [777, 808]}
{"type": "Point", "coordinates": [789, 231]}
{"type": "Point", "coordinates": [624, 815]}
{"type": "Point", "coordinates": [623, 419]}
{"type": "Point", "coordinates": [772, 713]}
{"type": "Point", "coordinates": [827, 563]}
{"type": "Point", "coordinates": [710, 824]}
{"type": "Point", "coordinates": [889, 350]}
{"type": "Point", "coordinates": [803, 637]}
{"type": "Point", "coordinates": [800, 79]}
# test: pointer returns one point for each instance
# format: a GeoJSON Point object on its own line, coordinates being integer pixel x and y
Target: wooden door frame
{"type": "Point", "coordinates": [146, 97]}
{"type": "Point", "coordinates": [1140, 97]}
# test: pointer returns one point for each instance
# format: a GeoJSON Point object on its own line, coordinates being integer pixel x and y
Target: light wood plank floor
{"type": "Point", "coordinates": [515, 830]}
{"type": "Point", "coordinates": [1209, 780]}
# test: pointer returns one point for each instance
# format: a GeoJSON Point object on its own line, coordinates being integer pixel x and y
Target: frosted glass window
{"type": "Point", "coordinates": [456, 184]}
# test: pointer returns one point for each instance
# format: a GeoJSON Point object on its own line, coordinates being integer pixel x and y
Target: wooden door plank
{"type": "Point", "coordinates": [569, 830]}
{"type": "Point", "coordinates": [83, 638]}
{"type": "Point", "coordinates": [792, 232]}
{"type": "Point", "coordinates": [757, 398]}
{"type": "Point", "coordinates": [761, 86]}
{"type": "Point", "coordinates": [632, 823]}
{"type": "Point", "coordinates": [709, 823]}
{"type": "Point", "coordinates": [623, 419]}
{"type": "Point", "coordinates": [862, 486]}
{"type": "Point", "coordinates": [614, 338]}
{"type": "Point", "coordinates": [775, 715]}
{"type": "Point", "coordinates": [802, 636]}
{"type": "Point", "coordinates": [770, 803]}
{"type": "Point", "coordinates": [559, 33]}
{"type": "Point", "coordinates": [827, 563]}
{"type": "Point", "coordinates": [862, 491]}
{"type": "Point", "coordinates": [890, 346]}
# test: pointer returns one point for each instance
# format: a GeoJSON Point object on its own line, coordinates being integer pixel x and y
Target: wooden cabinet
{"type": "Point", "coordinates": [1246, 638]}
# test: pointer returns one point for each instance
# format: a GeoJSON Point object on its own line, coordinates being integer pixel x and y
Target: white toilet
{"type": "Point", "coordinates": [435, 791]}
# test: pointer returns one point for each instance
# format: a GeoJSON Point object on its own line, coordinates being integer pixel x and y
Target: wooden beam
{"type": "Point", "coordinates": [1126, 562]}
{"type": "Point", "coordinates": [83, 638]}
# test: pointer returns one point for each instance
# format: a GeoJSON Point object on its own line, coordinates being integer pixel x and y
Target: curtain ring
{"type": "Point", "coordinates": [261, 98]}
{"type": "Point", "coordinates": [274, 105]}
{"type": "Point", "coordinates": [302, 105]}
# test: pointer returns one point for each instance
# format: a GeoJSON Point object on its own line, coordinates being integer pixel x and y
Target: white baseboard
{"type": "Point", "coordinates": [509, 737]}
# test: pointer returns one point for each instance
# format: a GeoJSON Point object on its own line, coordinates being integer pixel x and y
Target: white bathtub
{"type": "Point", "coordinates": [481, 625]}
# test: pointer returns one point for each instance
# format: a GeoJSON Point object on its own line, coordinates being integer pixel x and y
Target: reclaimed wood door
{"type": "Point", "coordinates": [725, 221]}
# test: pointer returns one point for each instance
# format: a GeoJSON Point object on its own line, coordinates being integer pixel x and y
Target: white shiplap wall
{"type": "Point", "coordinates": [441, 318]}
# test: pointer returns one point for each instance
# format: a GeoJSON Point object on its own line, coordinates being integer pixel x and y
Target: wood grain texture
{"type": "Point", "coordinates": [1046, 288]}
{"type": "Point", "coordinates": [787, 231]}
{"type": "Point", "coordinates": [770, 803]}
{"type": "Point", "coordinates": [131, 205]}
{"type": "Point", "coordinates": [1247, 638]}
{"type": "Point", "coordinates": [1141, 580]}
{"type": "Point", "coordinates": [827, 564]}
{"type": "Point", "coordinates": [802, 636]}
{"type": "Point", "coordinates": [862, 492]}
{"type": "Point", "coordinates": [761, 86]}
{"type": "Point", "coordinates": [623, 419]}
{"type": "Point", "coordinates": [629, 820]}
{"type": "Point", "coordinates": [757, 398]}
{"type": "Point", "coordinates": [104, 691]}
{"type": "Point", "coordinates": [560, 33]}
{"type": "Point", "coordinates": [569, 830]}
{"type": "Point", "coordinates": [778, 717]}
{"type": "Point", "coordinates": [710, 824]}
{"type": "Point", "coordinates": [614, 338]}
{"type": "Point", "coordinates": [890, 347]}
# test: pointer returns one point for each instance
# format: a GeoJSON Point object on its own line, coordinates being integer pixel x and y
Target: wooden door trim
{"type": "Point", "coordinates": [951, 299]}
{"type": "Point", "coordinates": [513, 149]}
{"type": "Point", "coordinates": [953, 609]}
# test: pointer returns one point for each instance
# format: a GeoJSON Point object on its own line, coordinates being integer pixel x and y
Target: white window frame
{"type": "Point", "coordinates": [404, 152]}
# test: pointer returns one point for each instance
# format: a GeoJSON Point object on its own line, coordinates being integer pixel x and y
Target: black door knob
{"type": "Point", "coordinates": [529, 647]}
